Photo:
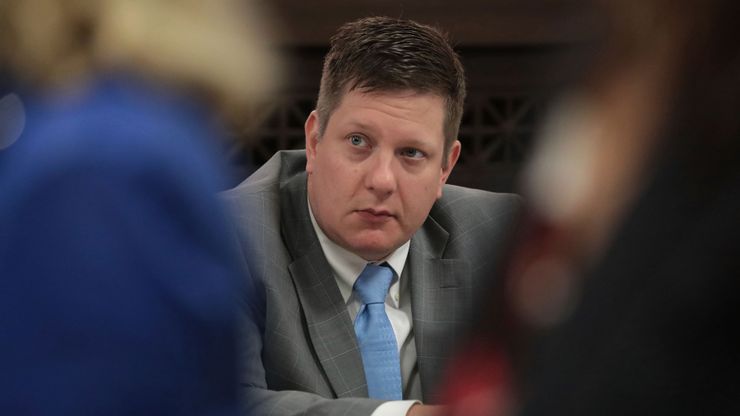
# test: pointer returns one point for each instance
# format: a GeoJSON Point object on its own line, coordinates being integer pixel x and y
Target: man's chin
{"type": "Point", "coordinates": [373, 252]}
{"type": "Point", "coordinates": [372, 245]}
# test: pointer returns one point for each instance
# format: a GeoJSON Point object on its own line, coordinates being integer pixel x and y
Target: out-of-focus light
{"type": "Point", "coordinates": [12, 119]}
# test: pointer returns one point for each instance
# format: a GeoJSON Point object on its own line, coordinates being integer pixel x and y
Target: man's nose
{"type": "Point", "coordinates": [381, 178]}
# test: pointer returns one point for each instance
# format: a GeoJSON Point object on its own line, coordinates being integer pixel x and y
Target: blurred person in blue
{"type": "Point", "coordinates": [622, 295]}
{"type": "Point", "coordinates": [118, 287]}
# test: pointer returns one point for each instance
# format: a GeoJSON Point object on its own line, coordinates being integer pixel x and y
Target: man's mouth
{"type": "Point", "coordinates": [375, 215]}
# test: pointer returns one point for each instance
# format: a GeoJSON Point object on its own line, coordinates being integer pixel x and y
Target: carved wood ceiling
{"type": "Point", "coordinates": [469, 22]}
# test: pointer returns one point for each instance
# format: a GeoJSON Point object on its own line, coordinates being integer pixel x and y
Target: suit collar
{"type": "Point", "coordinates": [438, 286]}
{"type": "Point", "coordinates": [329, 326]}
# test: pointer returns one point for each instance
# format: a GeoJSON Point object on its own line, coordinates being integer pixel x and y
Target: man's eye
{"type": "Point", "coordinates": [357, 140]}
{"type": "Point", "coordinates": [412, 153]}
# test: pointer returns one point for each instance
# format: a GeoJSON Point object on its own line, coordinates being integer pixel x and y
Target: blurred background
{"type": "Point", "coordinates": [626, 266]}
{"type": "Point", "coordinates": [516, 54]}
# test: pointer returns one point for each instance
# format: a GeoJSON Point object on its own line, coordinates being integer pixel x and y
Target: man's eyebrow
{"type": "Point", "coordinates": [415, 142]}
{"type": "Point", "coordinates": [360, 125]}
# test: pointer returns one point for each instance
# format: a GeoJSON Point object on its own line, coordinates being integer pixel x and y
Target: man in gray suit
{"type": "Point", "coordinates": [368, 189]}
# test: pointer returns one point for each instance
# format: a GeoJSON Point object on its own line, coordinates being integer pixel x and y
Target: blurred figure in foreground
{"type": "Point", "coordinates": [623, 295]}
{"type": "Point", "coordinates": [117, 284]}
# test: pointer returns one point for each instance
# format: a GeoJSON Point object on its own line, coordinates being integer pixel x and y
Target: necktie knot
{"type": "Point", "coordinates": [373, 283]}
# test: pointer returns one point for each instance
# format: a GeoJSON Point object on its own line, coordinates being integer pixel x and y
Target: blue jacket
{"type": "Point", "coordinates": [117, 284]}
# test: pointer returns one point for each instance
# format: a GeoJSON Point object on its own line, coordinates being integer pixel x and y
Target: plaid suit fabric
{"type": "Point", "coordinates": [300, 351]}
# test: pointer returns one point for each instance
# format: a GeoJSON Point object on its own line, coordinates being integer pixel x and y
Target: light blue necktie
{"type": "Point", "coordinates": [375, 334]}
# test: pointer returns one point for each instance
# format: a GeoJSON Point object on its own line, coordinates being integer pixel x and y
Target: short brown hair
{"type": "Point", "coordinates": [387, 54]}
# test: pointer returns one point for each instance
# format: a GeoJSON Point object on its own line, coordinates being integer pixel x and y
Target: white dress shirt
{"type": "Point", "coordinates": [347, 267]}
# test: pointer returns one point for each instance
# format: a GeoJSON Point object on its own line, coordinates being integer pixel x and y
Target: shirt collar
{"type": "Point", "coordinates": [347, 266]}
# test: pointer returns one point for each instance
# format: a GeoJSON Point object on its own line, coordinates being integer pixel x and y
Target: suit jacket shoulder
{"type": "Point", "coordinates": [478, 222]}
{"type": "Point", "coordinates": [255, 208]}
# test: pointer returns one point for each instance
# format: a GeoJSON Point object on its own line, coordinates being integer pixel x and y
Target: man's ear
{"type": "Point", "coordinates": [452, 157]}
{"type": "Point", "coordinates": [311, 129]}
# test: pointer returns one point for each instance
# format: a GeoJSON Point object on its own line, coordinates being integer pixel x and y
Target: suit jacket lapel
{"type": "Point", "coordinates": [329, 325]}
{"type": "Point", "coordinates": [441, 292]}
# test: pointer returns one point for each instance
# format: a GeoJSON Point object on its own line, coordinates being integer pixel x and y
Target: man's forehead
{"type": "Point", "coordinates": [402, 111]}
{"type": "Point", "coordinates": [402, 100]}
{"type": "Point", "coordinates": [369, 94]}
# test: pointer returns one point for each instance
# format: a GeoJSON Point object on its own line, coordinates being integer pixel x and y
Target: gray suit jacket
{"type": "Point", "coordinates": [300, 350]}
